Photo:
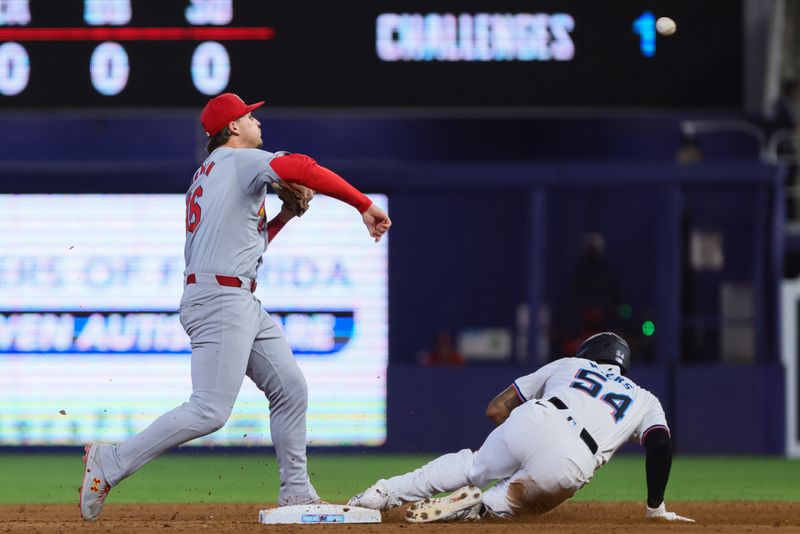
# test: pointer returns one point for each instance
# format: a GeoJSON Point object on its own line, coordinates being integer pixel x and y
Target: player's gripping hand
{"type": "Point", "coordinates": [295, 197]}
{"type": "Point", "coordinates": [376, 221]}
{"type": "Point", "coordinates": [661, 513]}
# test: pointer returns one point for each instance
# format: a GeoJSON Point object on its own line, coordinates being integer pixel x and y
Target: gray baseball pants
{"type": "Point", "coordinates": [232, 336]}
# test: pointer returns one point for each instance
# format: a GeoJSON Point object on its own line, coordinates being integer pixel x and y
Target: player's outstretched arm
{"type": "Point", "coordinates": [502, 405]}
{"type": "Point", "coordinates": [658, 444]}
{"type": "Point", "coordinates": [301, 169]}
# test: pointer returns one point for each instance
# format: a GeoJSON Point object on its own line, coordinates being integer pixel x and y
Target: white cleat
{"type": "Point", "coordinates": [375, 497]}
{"type": "Point", "coordinates": [95, 488]}
{"type": "Point", "coordinates": [461, 505]}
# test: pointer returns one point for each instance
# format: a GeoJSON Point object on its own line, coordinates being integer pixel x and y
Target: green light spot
{"type": "Point", "coordinates": [625, 311]}
{"type": "Point", "coordinates": [648, 328]}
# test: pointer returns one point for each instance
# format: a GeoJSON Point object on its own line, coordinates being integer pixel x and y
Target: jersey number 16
{"type": "Point", "coordinates": [193, 210]}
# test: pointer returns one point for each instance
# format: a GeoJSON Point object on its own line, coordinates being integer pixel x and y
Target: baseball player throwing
{"type": "Point", "coordinates": [231, 335]}
{"type": "Point", "coordinates": [557, 426]}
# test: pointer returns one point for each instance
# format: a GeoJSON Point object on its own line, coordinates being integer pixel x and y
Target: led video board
{"type": "Point", "coordinates": [91, 347]}
{"type": "Point", "coordinates": [464, 53]}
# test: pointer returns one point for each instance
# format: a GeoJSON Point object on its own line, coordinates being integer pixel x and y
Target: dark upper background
{"type": "Point", "coordinates": [323, 55]}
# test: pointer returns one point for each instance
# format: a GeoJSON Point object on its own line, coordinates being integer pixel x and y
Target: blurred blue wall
{"type": "Point", "coordinates": [711, 409]}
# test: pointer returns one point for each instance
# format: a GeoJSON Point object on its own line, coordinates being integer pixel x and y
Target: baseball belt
{"type": "Point", "coordinates": [227, 281]}
{"type": "Point", "coordinates": [585, 436]}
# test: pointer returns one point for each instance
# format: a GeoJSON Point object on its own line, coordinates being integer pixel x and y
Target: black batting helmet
{"type": "Point", "coordinates": [606, 347]}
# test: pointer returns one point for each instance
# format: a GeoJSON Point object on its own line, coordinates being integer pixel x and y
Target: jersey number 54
{"type": "Point", "coordinates": [591, 383]}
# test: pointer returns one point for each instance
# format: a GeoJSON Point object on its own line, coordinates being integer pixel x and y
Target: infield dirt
{"type": "Point", "coordinates": [579, 517]}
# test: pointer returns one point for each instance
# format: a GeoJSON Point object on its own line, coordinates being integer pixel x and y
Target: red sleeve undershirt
{"type": "Point", "coordinates": [273, 227]}
{"type": "Point", "coordinates": [301, 169]}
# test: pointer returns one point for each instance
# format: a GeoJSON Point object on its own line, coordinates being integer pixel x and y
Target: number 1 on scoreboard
{"type": "Point", "coordinates": [645, 27]}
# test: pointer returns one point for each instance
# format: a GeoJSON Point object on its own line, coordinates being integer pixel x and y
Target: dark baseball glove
{"type": "Point", "coordinates": [295, 197]}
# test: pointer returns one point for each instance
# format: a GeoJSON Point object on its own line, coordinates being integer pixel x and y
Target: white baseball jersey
{"type": "Point", "coordinates": [612, 408]}
{"type": "Point", "coordinates": [226, 224]}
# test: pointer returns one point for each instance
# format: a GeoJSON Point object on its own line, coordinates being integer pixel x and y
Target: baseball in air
{"type": "Point", "coordinates": [666, 26]}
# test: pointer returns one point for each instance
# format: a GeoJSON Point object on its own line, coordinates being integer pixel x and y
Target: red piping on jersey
{"type": "Point", "coordinates": [301, 169]}
{"type": "Point", "coordinates": [644, 435]}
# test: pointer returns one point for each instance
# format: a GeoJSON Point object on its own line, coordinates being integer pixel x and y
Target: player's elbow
{"type": "Point", "coordinates": [496, 414]}
{"type": "Point", "coordinates": [658, 441]}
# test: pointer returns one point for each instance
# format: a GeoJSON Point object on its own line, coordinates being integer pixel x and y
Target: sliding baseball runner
{"type": "Point", "coordinates": [557, 427]}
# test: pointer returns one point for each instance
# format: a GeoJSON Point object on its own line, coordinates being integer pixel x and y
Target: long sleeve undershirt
{"type": "Point", "coordinates": [303, 170]}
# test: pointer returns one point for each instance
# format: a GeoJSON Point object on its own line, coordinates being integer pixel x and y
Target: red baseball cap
{"type": "Point", "coordinates": [222, 110]}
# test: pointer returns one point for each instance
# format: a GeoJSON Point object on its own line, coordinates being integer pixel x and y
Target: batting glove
{"type": "Point", "coordinates": [661, 513]}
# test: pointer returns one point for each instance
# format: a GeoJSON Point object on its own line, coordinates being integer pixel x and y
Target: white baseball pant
{"type": "Point", "coordinates": [536, 454]}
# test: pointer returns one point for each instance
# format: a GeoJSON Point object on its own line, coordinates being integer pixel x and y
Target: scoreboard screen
{"type": "Point", "coordinates": [392, 53]}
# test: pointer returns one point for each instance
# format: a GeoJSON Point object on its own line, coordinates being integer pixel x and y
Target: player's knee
{"type": "Point", "coordinates": [293, 394]}
{"type": "Point", "coordinates": [540, 495]}
{"type": "Point", "coordinates": [295, 382]}
{"type": "Point", "coordinates": [477, 472]}
{"type": "Point", "coordinates": [215, 422]}
{"type": "Point", "coordinates": [215, 418]}
{"type": "Point", "coordinates": [299, 393]}
{"type": "Point", "coordinates": [211, 412]}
